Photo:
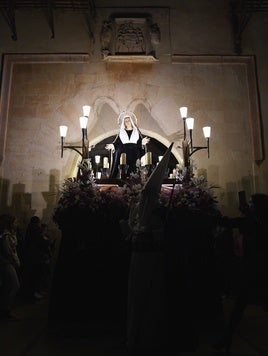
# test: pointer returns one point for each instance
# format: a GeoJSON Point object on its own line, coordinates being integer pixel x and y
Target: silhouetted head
{"type": "Point", "coordinates": [7, 222]}
{"type": "Point", "coordinates": [259, 205]}
{"type": "Point", "coordinates": [35, 220]}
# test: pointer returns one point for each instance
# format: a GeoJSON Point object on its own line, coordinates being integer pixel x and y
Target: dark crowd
{"type": "Point", "coordinates": [25, 263]}
{"type": "Point", "coordinates": [239, 262]}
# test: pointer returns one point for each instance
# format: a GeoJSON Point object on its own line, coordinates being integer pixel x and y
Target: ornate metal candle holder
{"type": "Point", "coordinates": [123, 168]}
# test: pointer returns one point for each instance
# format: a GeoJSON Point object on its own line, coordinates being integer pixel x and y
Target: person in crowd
{"type": "Point", "coordinates": [35, 257]}
{"type": "Point", "coordinates": [130, 141]}
{"type": "Point", "coordinates": [252, 282]}
{"type": "Point", "coordinates": [9, 267]}
{"type": "Point", "coordinates": [227, 259]}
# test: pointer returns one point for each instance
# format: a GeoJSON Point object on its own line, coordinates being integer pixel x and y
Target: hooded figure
{"type": "Point", "coordinates": [159, 308]}
{"type": "Point", "coordinates": [142, 218]}
{"type": "Point", "coordinates": [128, 141]}
{"type": "Point", "coordinates": [147, 315]}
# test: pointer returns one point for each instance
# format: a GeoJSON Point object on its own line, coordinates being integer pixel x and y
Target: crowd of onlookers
{"type": "Point", "coordinates": [240, 260]}
{"type": "Point", "coordinates": [249, 274]}
{"type": "Point", "coordinates": [25, 262]}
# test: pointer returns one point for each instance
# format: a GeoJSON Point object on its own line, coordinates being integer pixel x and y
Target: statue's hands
{"type": "Point", "coordinates": [109, 146]}
{"type": "Point", "coordinates": [145, 140]}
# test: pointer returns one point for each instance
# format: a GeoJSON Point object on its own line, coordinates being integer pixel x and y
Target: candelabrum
{"type": "Point", "coordinates": [188, 147]}
{"type": "Point", "coordinates": [146, 166]}
{"type": "Point", "coordinates": [123, 170]}
{"type": "Point", "coordinates": [84, 148]}
{"type": "Point", "coordinates": [106, 167]}
{"type": "Point", "coordinates": [148, 163]}
{"type": "Point", "coordinates": [123, 167]}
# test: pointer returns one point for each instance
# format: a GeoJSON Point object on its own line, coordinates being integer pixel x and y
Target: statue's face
{"type": "Point", "coordinates": [127, 121]}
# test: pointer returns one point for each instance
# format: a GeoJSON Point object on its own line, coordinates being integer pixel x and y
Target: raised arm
{"type": "Point", "coordinates": [109, 146]}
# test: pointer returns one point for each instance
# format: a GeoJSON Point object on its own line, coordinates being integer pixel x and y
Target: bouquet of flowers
{"type": "Point", "coordinates": [81, 199]}
{"type": "Point", "coordinates": [195, 195]}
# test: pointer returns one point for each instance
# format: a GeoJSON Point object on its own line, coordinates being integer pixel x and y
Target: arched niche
{"type": "Point", "coordinates": [104, 127]}
{"type": "Point", "coordinates": [156, 147]}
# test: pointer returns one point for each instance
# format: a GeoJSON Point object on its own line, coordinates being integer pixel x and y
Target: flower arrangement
{"type": "Point", "coordinates": [82, 198]}
{"type": "Point", "coordinates": [195, 195]}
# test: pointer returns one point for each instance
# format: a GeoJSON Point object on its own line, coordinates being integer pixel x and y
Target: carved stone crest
{"type": "Point", "coordinates": [129, 36]}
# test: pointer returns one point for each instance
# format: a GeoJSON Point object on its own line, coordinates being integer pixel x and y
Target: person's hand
{"type": "Point", "coordinates": [109, 146]}
{"type": "Point", "coordinates": [145, 140]}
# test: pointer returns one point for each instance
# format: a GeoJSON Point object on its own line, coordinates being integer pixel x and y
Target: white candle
{"type": "Point", "coordinates": [105, 162]}
{"type": "Point", "coordinates": [97, 159]}
{"type": "Point", "coordinates": [123, 158]}
{"type": "Point", "coordinates": [98, 175]}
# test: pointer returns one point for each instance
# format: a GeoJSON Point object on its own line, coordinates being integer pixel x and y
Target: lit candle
{"type": "Point", "coordinates": [148, 158]}
{"type": "Point", "coordinates": [97, 159]}
{"type": "Point", "coordinates": [123, 158]}
{"type": "Point", "coordinates": [105, 162]}
{"type": "Point", "coordinates": [143, 160]}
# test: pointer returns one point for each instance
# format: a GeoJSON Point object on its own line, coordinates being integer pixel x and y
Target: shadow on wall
{"type": "Point", "coordinates": [231, 195]}
{"type": "Point", "coordinates": [20, 205]}
{"type": "Point", "coordinates": [21, 202]}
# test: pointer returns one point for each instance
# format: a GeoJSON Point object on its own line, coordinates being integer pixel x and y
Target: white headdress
{"type": "Point", "coordinates": [123, 134]}
{"type": "Point", "coordinates": [127, 114]}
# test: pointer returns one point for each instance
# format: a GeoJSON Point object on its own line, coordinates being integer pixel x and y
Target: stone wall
{"type": "Point", "coordinates": [193, 65]}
